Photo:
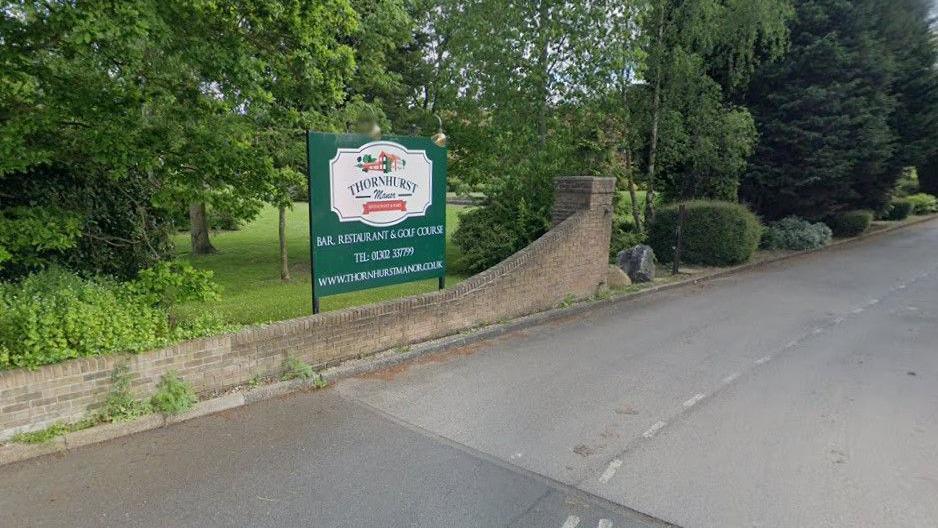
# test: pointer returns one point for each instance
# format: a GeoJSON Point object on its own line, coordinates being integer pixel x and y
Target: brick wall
{"type": "Point", "coordinates": [570, 259]}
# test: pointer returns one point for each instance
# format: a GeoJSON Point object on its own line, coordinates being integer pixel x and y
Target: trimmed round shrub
{"type": "Point", "coordinates": [850, 223]}
{"type": "Point", "coordinates": [796, 234]}
{"type": "Point", "coordinates": [923, 203]}
{"type": "Point", "coordinates": [899, 209]}
{"type": "Point", "coordinates": [714, 234]}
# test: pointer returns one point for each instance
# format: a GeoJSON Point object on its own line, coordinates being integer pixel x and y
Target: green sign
{"type": "Point", "coordinates": [377, 211]}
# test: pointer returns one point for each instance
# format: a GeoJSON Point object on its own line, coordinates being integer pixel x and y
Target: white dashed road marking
{"type": "Point", "coordinates": [693, 401]}
{"type": "Point", "coordinates": [654, 429]}
{"type": "Point", "coordinates": [571, 522]}
{"type": "Point", "coordinates": [610, 471]}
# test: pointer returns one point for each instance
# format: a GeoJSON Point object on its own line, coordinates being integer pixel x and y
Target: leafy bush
{"type": "Point", "coordinates": [715, 233]}
{"type": "Point", "coordinates": [899, 209]}
{"type": "Point", "coordinates": [908, 183]}
{"type": "Point", "coordinates": [517, 214]}
{"type": "Point", "coordinates": [29, 235]}
{"type": "Point", "coordinates": [850, 223]}
{"type": "Point", "coordinates": [54, 315]}
{"type": "Point", "coordinates": [796, 234]}
{"type": "Point", "coordinates": [225, 222]}
{"type": "Point", "coordinates": [120, 231]}
{"type": "Point", "coordinates": [173, 395]}
{"type": "Point", "coordinates": [624, 236]}
{"type": "Point", "coordinates": [519, 193]}
{"type": "Point", "coordinates": [923, 203]}
{"type": "Point", "coordinates": [169, 283]}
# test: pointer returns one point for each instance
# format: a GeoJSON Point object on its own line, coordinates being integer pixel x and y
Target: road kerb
{"type": "Point", "coordinates": [103, 432]}
{"type": "Point", "coordinates": [206, 407]}
{"type": "Point", "coordinates": [11, 453]}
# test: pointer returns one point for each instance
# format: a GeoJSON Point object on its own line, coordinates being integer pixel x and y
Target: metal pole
{"type": "Point", "coordinates": [439, 139]}
{"type": "Point", "coordinates": [681, 215]}
{"type": "Point", "coordinates": [312, 241]}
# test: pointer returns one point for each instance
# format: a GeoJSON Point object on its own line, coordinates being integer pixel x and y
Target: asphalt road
{"type": "Point", "coordinates": [308, 460]}
{"type": "Point", "coordinates": [801, 394]}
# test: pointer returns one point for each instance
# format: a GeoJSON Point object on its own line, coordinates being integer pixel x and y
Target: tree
{"type": "Point", "coordinates": [824, 116]}
{"type": "Point", "coordinates": [172, 92]}
{"type": "Point", "coordinates": [306, 91]}
{"type": "Point", "coordinates": [700, 53]}
{"type": "Point", "coordinates": [705, 142]}
{"type": "Point", "coordinates": [906, 30]}
{"type": "Point", "coordinates": [304, 61]}
{"type": "Point", "coordinates": [528, 72]}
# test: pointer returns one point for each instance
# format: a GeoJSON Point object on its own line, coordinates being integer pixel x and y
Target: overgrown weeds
{"type": "Point", "coordinates": [173, 395]}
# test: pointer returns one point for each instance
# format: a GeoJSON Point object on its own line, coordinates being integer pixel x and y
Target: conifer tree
{"type": "Point", "coordinates": [824, 115]}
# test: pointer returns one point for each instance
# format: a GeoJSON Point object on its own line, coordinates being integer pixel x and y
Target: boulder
{"type": "Point", "coordinates": [616, 278]}
{"type": "Point", "coordinates": [638, 263]}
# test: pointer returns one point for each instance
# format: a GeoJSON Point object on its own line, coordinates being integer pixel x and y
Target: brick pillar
{"type": "Point", "coordinates": [591, 199]}
{"type": "Point", "coordinates": [580, 193]}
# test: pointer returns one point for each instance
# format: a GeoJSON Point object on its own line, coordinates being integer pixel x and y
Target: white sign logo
{"type": "Point", "coordinates": [380, 184]}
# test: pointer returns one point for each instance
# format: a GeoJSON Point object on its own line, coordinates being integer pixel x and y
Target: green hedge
{"type": "Point", "coordinates": [715, 233]}
{"type": "Point", "coordinates": [850, 223]}
{"type": "Point", "coordinates": [899, 209]}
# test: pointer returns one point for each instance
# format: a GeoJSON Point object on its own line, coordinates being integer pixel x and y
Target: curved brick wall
{"type": "Point", "coordinates": [570, 259]}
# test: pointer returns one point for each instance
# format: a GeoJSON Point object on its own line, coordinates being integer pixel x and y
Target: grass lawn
{"type": "Point", "coordinates": [627, 199]}
{"type": "Point", "coordinates": [247, 267]}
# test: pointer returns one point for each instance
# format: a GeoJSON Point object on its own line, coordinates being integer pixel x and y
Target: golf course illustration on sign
{"type": "Point", "coordinates": [377, 211]}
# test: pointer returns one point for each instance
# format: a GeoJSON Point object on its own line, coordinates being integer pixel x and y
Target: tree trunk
{"type": "Point", "coordinates": [627, 155]}
{"type": "Point", "coordinates": [630, 179]}
{"type": "Point", "coordinates": [198, 229]}
{"type": "Point", "coordinates": [656, 114]}
{"type": "Point", "coordinates": [282, 232]}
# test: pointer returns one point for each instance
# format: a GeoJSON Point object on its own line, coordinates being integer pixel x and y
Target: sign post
{"type": "Point", "coordinates": [377, 211]}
